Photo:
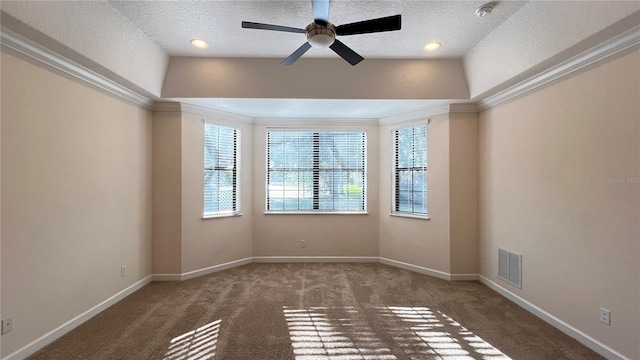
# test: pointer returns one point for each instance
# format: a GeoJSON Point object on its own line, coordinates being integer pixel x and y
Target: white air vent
{"type": "Point", "coordinates": [510, 267]}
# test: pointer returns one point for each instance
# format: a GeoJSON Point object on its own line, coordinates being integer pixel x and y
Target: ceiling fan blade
{"type": "Point", "coordinates": [389, 23]}
{"type": "Point", "coordinates": [259, 26]}
{"type": "Point", "coordinates": [345, 52]}
{"type": "Point", "coordinates": [296, 54]}
{"type": "Point", "coordinates": [320, 11]}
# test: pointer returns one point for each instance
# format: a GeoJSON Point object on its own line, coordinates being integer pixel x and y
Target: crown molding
{"type": "Point", "coordinates": [315, 122]}
{"type": "Point", "coordinates": [172, 106]}
{"type": "Point", "coordinates": [601, 52]}
{"type": "Point", "coordinates": [39, 53]}
{"type": "Point", "coordinates": [598, 53]}
{"type": "Point", "coordinates": [216, 114]}
{"type": "Point", "coordinates": [463, 108]}
{"type": "Point", "coordinates": [167, 106]}
{"type": "Point", "coordinates": [425, 114]}
{"type": "Point", "coordinates": [416, 115]}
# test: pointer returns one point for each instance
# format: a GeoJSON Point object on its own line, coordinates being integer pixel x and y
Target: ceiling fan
{"type": "Point", "coordinates": [322, 34]}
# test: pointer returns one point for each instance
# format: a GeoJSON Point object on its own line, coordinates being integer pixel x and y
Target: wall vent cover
{"type": "Point", "coordinates": [510, 267]}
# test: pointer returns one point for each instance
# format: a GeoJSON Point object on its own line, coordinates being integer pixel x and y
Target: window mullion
{"type": "Point", "coordinates": [234, 181]}
{"type": "Point", "coordinates": [310, 175]}
{"type": "Point", "coordinates": [409, 170]}
{"type": "Point", "coordinates": [316, 171]}
{"type": "Point", "coordinates": [397, 175]}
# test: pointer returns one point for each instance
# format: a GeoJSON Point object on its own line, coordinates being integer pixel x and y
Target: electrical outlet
{"type": "Point", "coordinates": [605, 316]}
{"type": "Point", "coordinates": [303, 243]}
{"type": "Point", "coordinates": [7, 325]}
{"type": "Point", "coordinates": [123, 270]}
{"type": "Point", "coordinates": [482, 259]}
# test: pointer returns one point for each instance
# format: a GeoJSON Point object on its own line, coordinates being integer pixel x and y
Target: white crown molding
{"type": "Point", "coordinates": [56, 333]}
{"type": "Point", "coordinates": [316, 121]}
{"type": "Point", "coordinates": [463, 108]}
{"type": "Point", "coordinates": [415, 115]}
{"type": "Point", "coordinates": [216, 114]}
{"type": "Point", "coordinates": [425, 114]}
{"type": "Point", "coordinates": [167, 106]}
{"type": "Point", "coordinates": [34, 51]}
{"type": "Point", "coordinates": [613, 46]}
{"type": "Point", "coordinates": [583, 338]}
{"type": "Point", "coordinates": [173, 106]}
{"type": "Point", "coordinates": [604, 50]}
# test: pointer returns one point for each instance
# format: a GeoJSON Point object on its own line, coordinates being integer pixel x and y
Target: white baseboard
{"type": "Point", "coordinates": [324, 259]}
{"type": "Point", "coordinates": [51, 336]}
{"type": "Point", "coordinates": [415, 268]}
{"type": "Point", "coordinates": [583, 338]}
{"type": "Point", "coordinates": [463, 277]}
{"type": "Point", "coordinates": [56, 333]}
{"type": "Point", "coordinates": [215, 268]}
{"type": "Point", "coordinates": [166, 277]}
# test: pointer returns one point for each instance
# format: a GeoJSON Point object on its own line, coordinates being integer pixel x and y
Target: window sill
{"type": "Point", "coordinates": [412, 216]}
{"type": "Point", "coordinates": [315, 213]}
{"type": "Point", "coordinates": [221, 215]}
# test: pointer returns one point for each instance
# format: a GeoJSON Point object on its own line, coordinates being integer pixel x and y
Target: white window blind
{"type": "Point", "coordinates": [316, 171]}
{"type": "Point", "coordinates": [221, 192]}
{"type": "Point", "coordinates": [410, 170]}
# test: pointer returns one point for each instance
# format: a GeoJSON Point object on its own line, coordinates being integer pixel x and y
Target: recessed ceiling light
{"type": "Point", "coordinates": [434, 45]}
{"type": "Point", "coordinates": [200, 44]}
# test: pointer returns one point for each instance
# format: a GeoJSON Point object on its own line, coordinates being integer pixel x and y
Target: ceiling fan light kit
{"type": "Point", "coordinates": [321, 33]}
{"type": "Point", "coordinates": [319, 36]}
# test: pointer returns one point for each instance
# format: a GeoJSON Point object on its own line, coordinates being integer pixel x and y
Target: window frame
{"type": "Point", "coordinates": [236, 172]}
{"type": "Point", "coordinates": [316, 171]}
{"type": "Point", "coordinates": [393, 164]}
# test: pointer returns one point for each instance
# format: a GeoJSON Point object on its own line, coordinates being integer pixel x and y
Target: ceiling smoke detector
{"type": "Point", "coordinates": [484, 10]}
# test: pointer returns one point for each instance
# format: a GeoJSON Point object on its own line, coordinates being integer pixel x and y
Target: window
{"type": "Point", "coordinates": [316, 171]}
{"type": "Point", "coordinates": [410, 170]}
{"type": "Point", "coordinates": [221, 191]}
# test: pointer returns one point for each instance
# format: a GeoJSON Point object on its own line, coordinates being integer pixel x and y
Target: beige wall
{"type": "Point", "coordinates": [0, 199]}
{"type": "Point", "coordinates": [448, 241]}
{"type": "Point", "coordinates": [325, 235]}
{"type": "Point", "coordinates": [167, 193]}
{"type": "Point", "coordinates": [182, 240]}
{"type": "Point", "coordinates": [201, 77]}
{"type": "Point", "coordinates": [547, 161]}
{"type": "Point", "coordinates": [76, 198]}
{"type": "Point", "coordinates": [415, 241]}
{"type": "Point", "coordinates": [533, 176]}
{"type": "Point", "coordinates": [209, 242]}
{"type": "Point", "coordinates": [463, 192]}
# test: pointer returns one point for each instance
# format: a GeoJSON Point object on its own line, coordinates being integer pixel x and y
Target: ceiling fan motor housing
{"type": "Point", "coordinates": [320, 36]}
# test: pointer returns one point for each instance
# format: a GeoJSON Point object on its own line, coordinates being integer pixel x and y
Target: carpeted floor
{"type": "Point", "coordinates": [315, 311]}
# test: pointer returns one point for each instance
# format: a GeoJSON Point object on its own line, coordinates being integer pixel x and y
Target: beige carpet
{"type": "Point", "coordinates": [315, 311]}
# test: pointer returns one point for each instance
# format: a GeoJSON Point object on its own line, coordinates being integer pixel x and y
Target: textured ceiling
{"type": "Point", "coordinates": [173, 24]}
{"type": "Point", "coordinates": [131, 42]}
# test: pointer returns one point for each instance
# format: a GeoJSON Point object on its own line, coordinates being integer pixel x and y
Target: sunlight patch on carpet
{"type": "Point", "coordinates": [382, 333]}
{"type": "Point", "coordinates": [198, 344]}
{"type": "Point", "coordinates": [421, 331]}
{"type": "Point", "coordinates": [322, 333]}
